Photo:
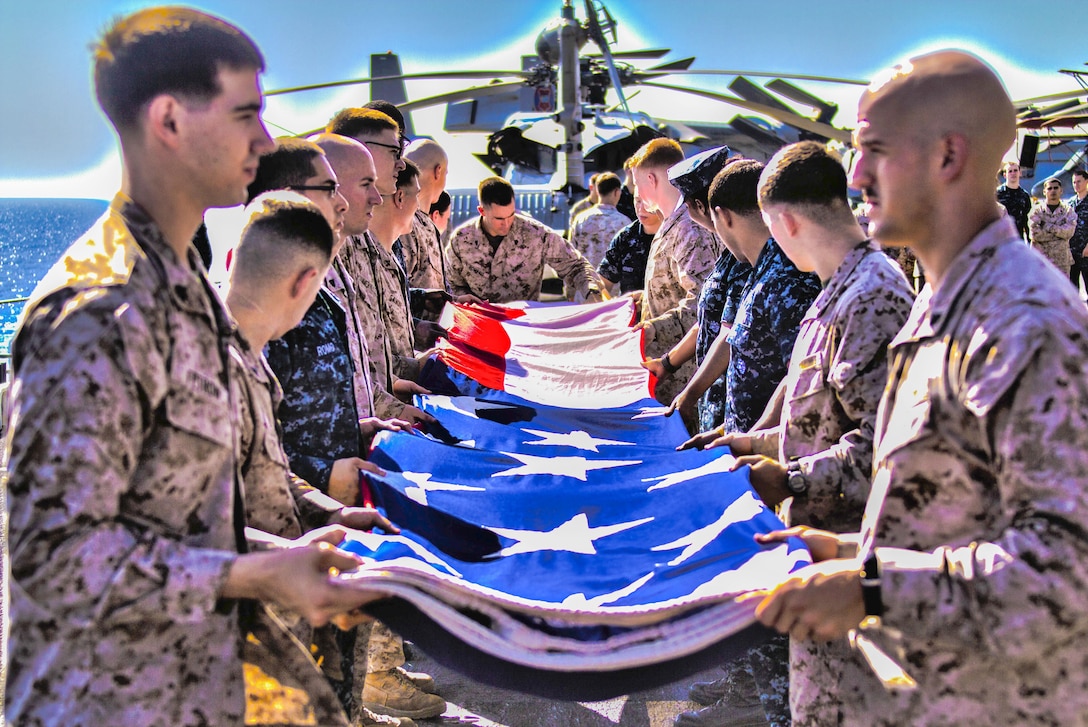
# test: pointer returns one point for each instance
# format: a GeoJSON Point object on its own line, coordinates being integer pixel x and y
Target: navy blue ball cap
{"type": "Point", "coordinates": [694, 174]}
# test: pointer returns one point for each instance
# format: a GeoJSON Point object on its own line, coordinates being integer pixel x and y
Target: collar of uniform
{"type": "Point", "coordinates": [844, 274]}
{"type": "Point", "coordinates": [673, 219]}
{"type": "Point", "coordinates": [425, 219]}
{"type": "Point", "coordinates": [767, 256]}
{"type": "Point", "coordinates": [185, 281]}
{"type": "Point", "coordinates": [931, 307]}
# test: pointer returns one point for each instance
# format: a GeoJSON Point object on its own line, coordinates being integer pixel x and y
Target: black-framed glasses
{"type": "Point", "coordinates": [397, 149]}
{"type": "Point", "coordinates": [329, 188]}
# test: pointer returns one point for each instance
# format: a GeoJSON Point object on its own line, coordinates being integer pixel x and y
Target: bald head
{"type": "Point", "coordinates": [433, 164]}
{"type": "Point", "coordinates": [355, 170]}
{"type": "Point", "coordinates": [947, 93]}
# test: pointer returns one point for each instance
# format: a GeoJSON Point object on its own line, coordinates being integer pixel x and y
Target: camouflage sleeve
{"type": "Point", "coordinates": [84, 399]}
{"type": "Point", "coordinates": [388, 406]}
{"type": "Point", "coordinates": [570, 265]}
{"type": "Point", "coordinates": [315, 470]}
{"type": "Point", "coordinates": [609, 269]}
{"type": "Point", "coordinates": [455, 275]}
{"type": "Point", "coordinates": [315, 507]}
{"type": "Point", "coordinates": [858, 374]}
{"type": "Point", "coordinates": [694, 257]}
{"type": "Point", "coordinates": [1028, 588]}
{"type": "Point", "coordinates": [1066, 225]}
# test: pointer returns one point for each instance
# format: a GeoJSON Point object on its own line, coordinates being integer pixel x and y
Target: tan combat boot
{"type": "Point", "coordinates": [391, 693]}
{"type": "Point", "coordinates": [365, 718]}
{"type": "Point", "coordinates": [422, 681]}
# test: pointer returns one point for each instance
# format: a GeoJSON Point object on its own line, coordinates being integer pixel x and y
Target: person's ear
{"type": "Point", "coordinates": [302, 282]}
{"type": "Point", "coordinates": [161, 117]}
{"type": "Point", "coordinates": [953, 149]}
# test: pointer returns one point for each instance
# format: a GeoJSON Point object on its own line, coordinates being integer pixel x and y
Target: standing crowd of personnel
{"type": "Point", "coordinates": [178, 468]}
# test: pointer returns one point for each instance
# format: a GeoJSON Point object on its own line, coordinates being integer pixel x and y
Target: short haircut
{"type": "Point", "coordinates": [442, 204]}
{"type": "Point", "coordinates": [165, 50]}
{"type": "Point", "coordinates": [285, 233]}
{"type": "Point", "coordinates": [361, 122]}
{"type": "Point", "coordinates": [406, 175]}
{"type": "Point", "coordinates": [389, 109]}
{"type": "Point", "coordinates": [1005, 164]}
{"type": "Point", "coordinates": [290, 163]}
{"type": "Point", "coordinates": [658, 154]}
{"type": "Point", "coordinates": [805, 174]}
{"type": "Point", "coordinates": [1080, 172]}
{"type": "Point", "coordinates": [734, 188]}
{"type": "Point", "coordinates": [1053, 179]}
{"type": "Point", "coordinates": [607, 183]}
{"type": "Point", "coordinates": [496, 190]}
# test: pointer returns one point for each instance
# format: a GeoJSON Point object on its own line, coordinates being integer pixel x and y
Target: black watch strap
{"type": "Point", "coordinates": [871, 594]}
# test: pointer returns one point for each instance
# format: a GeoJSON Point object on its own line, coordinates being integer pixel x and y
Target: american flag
{"type": "Point", "coordinates": [567, 551]}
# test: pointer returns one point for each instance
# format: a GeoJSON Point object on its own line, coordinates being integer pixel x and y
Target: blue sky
{"type": "Point", "coordinates": [54, 141]}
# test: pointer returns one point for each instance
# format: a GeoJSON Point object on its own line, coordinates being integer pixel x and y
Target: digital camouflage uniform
{"type": "Point", "coordinates": [981, 470]}
{"type": "Point", "coordinates": [514, 272]}
{"type": "Point", "coordinates": [625, 260]}
{"type": "Point", "coordinates": [121, 471]}
{"type": "Point", "coordinates": [424, 264]}
{"type": "Point", "coordinates": [718, 301]}
{"type": "Point", "coordinates": [1079, 240]}
{"type": "Point", "coordinates": [1018, 204]}
{"type": "Point", "coordinates": [594, 229]}
{"type": "Point", "coordinates": [393, 305]}
{"type": "Point", "coordinates": [356, 259]}
{"type": "Point", "coordinates": [681, 257]}
{"type": "Point", "coordinates": [342, 286]}
{"type": "Point", "coordinates": [836, 378]}
{"type": "Point", "coordinates": [775, 298]}
{"type": "Point", "coordinates": [1050, 232]}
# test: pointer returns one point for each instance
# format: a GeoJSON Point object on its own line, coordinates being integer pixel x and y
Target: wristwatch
{"type": "Point", "coordinates": [796, 481]}
{"type": "Point", "coordinates": [871, 594]}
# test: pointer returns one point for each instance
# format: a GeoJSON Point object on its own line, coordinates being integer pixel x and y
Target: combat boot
{"type": "Point", "coordinates": [724, 713]}
{"type": "Point", "coordinates": [423, 682]}
{"type": "Point", "coordinates": [365, 718]}
{"type": "Point", "coordinates": [390, 693]}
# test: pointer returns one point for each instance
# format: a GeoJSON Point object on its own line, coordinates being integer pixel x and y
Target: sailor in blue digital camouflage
{"type": "Point", "coordinates": [594, 229]}
{"type": "Point", "coordinates": [1052, 224]}
{"type": "Point", "coordinates": [624, 262]}
{"type": "Point", "coordinates": [718, 304]}
{"type": "Point", "coordinates": [971, 569]}
{"type": "Point", "coordinates": [681, 257]}
{"type": "Point", "coordinates": [500, 255]}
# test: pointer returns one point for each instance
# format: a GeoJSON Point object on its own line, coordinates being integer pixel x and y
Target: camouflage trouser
{"type": "Point", "coordinates": [367, 648]}
{"type": "Point", "coordinates": [766, 669]}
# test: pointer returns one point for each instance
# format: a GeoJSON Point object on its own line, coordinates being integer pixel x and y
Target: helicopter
{"type": "Point", "coordinates": [549, 124]}
{"type": "Point", "coordinates": [1046, 154]}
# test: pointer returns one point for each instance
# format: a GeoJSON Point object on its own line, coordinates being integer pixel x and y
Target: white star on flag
{"type": "Point", "coordinates": [579, 600]}
{"type": "Point", "coordinates": [573, 536]}
{"type": "Point", "coordinates": [648, 412]}
{"type": "Point", "coordinates": [577, 439]}
{"type": "Point", "coordinates": [743, 508]}
{"type": "Point", "coordinates": [722, 464]}
{"type": "Point", "coordinates": [424, 485]}
{"type": "Point", "coordinates": [468, 405]}
{"type": "Point", "coordinates": [563, 466]}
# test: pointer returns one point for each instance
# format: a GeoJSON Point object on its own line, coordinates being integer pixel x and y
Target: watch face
{"type": "Point", "coordinates": [796, 482]}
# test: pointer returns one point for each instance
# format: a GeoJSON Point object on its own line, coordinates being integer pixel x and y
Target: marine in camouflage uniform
{"type": "Point", "coordinates": [626, 258]}
{"type": "Point", "coordinates": [122, 473]}
{"type": "Point", "coordinates": [393, 305]}
{"type": "Point", "coordinates": [836, 378]}
{"type": "Point", "coordinates": [514, 271]}
{"type": "Point", "coordinates": [356, 258]}
{"type": "Point", "coordinates": [775, 299]}
{"type": "Point", "coordinates": [980, 468]}
{"type": "Point", "coordinates": [594, 229]}
{"type": "Point", "coordinates": [682, 255]}
{"type": "Point", "coordinates": [424, 263]}
{"type": "Point", "coordinates": [1050, 233]}
{"type": "Point", "coordinates": [718, 303]}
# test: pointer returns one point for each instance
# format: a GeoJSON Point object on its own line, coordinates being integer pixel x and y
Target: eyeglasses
{"type": "Point", "coordinates": [329, 188]}
{"type": "Point", "coordinates": [397, 149]}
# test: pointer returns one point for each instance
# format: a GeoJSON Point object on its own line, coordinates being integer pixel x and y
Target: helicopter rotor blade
{"type": "Point", "coordinates": [649, 54]}
{"type": "Point", "coordinates": [827, 110]}
{"type": "Point", "coordinates": [462, 95]}
{"type": "Point", "coordinates": [792, 119]}
{"type": "Point", "coordinates": [1024, 103]}
{"type": "Point", "coordinates": [762, 74]}
{"type": "Point", "coordinates": [596, 32]}
{"type": "Point", "coordinates": [436, 76]}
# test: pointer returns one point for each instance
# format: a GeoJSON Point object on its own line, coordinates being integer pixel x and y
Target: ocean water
{"type": "Point", "coordinates": [33, 234]}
